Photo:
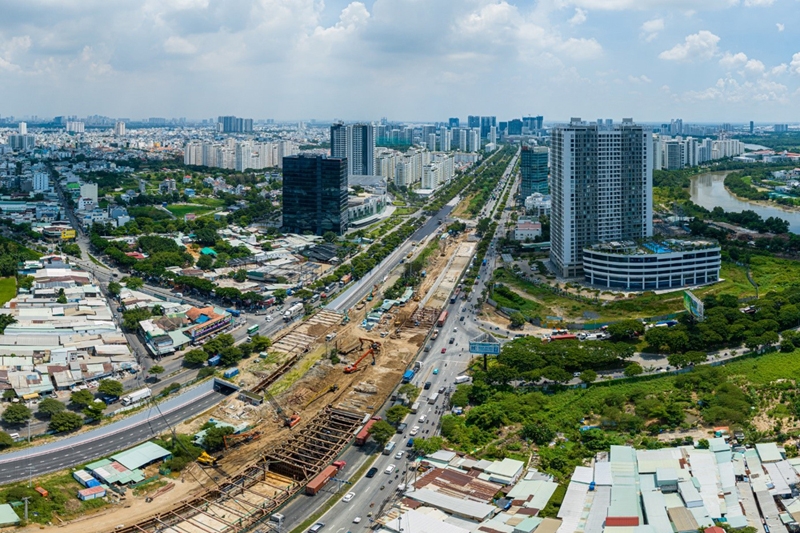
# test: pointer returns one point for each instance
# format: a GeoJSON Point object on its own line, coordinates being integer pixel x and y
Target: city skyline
{"type": "Point", "coordinates": [300, 59]}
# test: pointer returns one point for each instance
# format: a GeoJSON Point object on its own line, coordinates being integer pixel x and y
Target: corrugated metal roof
{"type": "Point", "coordinates": [768, 452]}
{"type": "Point", "coordinates": [141, 455]}
{"type": "Point", "coordinates": [582, 474]}
{"type": "Point", "coordinates": [682, 519]}
{"type": "Point", "coordinates": [655, 508]}
{"type": "Point", "coordinates": [595, 522]}
{"type": "Point", "coordinates": [602, 473]}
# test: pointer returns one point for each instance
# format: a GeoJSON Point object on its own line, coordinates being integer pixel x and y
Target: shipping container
{"type": "Point", "coordinates": [85, 478]}
{"type": "Point", "coordinates": [229, 373]}
{"type": "Point", "coordinates": [214, 361]}
{"type": "Point", "coordinates": [91, 493]}
{"type": "Point", "coordinates": [42, 491]}
{"type": "Point", "coordinates": [442, 319]}
{"type": "Point", "coordinates": [363, 434]}
{"type": "Point", "coordinates": [136, 396]}
{"type": "Point", "coordinates": [316, 484]}
{"type": "Point", "coordinates": [568, 337]}
{"type": "Point", "coordinates": [462, 379]}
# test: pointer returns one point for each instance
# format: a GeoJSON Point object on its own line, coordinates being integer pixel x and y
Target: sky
{"type": "Point", "coordinates": [412, 60]}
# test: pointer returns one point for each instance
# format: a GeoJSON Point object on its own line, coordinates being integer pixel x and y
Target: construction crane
{"type": "Point", "coordinates": [374, 346]}
{"type": "Point", "coordinates": [288, 421]}
{"type": "Point", "coordinates": [234, 440]}
{"type": "Point", "coordinates": [372, 292]}
{"type": "Point", "coordinates": [332, 388]}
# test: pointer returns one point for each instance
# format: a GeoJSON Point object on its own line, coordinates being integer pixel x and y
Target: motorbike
{"type": "Point", "coordinates": [382, 487]}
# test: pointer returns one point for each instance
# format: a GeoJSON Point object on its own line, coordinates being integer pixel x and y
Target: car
{"type": "Point", "coordinates": [435, 371]}
{"type": "Point", "coordinates": [399, 455]}
{"type": "Point", "coordinates": [356, 520]}
{"type": "Point", "coordinates": [372, 471]}
{"type": "Point", "coordinates": [401, 427]}
{"type": "Point", "coordinates": [442, 389]}
{"type": "Point", "coordinates": [316, 527]}
{"type": "Point", "coordinates": [389, 469]}
{"type": "Point", "coordinates": [410, 443]}
{"type": "Point", "coordinates": [452, 340]}
{"type": "Point", "coordinates": [423, 418]}
{"type": "Point", "coordinates": [427, 385]}
{"type": "Point", "coordinates": [444, 350]}
{"type": "Point", "coordinates": [414, 431]}
{"type": "Point", "coordinates": [455, 329]}
{"type": "Point", "coordinates": [349, 496]}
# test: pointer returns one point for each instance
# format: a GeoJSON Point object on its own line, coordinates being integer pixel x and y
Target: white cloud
{"type": "Point", "coordinates": [641, 5]}
{"type": "Point", "coordinates": [179, 46]}
{"type": "Point", "coordinates": [578, 18]}
{"type": "Point", "coordinates": [754, 67]}
{"type": "Point", "coordinates": [780, 26]}
{"type": "Point", "coordinates": [733, 61]}
{"type": "Point", "coordinates": [700, 46]}
{"type": "Point", "coordinates": [780, 69]}
{"type": "Point", "coordinates": [794, 66]}
{"type": "Point", "coordinates": [730, 91]}
{"type": "Point", "coordinates": [639, 79]}
{"type": "Point", "coordinates": [651, 29]}
{"type": "Point", "coordinates": [581, 49]}
{"type": "Point", "coordinates": [758, 3]}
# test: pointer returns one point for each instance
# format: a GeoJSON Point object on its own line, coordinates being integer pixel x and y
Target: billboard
{"type": "Point", "coordinates": [67, 234]}
{"type": "Point", "coordinates": [484, 344]}
{"type": "Point", "coordinates": [693, 305]}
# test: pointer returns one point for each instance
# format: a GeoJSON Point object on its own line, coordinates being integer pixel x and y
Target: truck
{"type": "Point", "coordinates": [363, 434]}
{"type": "Point", "coordinates": [462, 379]}
{"type": "Point", "coordinates": [234, 312]}
{"type": "Point", "coordinates": [389, 447]}
{"type": "Point", "coordinates": [442, 319]}
{"type": "Point", "coordinates": [563, 337]}
{"type": "Point", "coordinates": [408, 376]}
{"type": "Point", "coordinates": [454, 296]}
{"type": "Point", "coordinates": [293, 311]}
{"type": "Point", "coordinates": [136, 396]}
{"type": "Point", "coordinates": [433, 398]}
{"type": "Point", "coordinates": [414, 408]}
{"type": "Point", "coordinates": [316, 484]}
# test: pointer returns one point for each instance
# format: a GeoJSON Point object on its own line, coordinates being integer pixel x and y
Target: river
{"type": "Point", "coordinates": [708, 190]}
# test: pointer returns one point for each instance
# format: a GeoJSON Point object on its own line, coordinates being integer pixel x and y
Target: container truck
{"type": "Point", "coordinates": [442, 319]}
{"type": "Point", "coordinates": [293, 311]}
{"type": "Point", "coordinates": [234, 312]}
{"type": "Point", "coordinates": [363, 434]}
{"type": "Point", "coordinates": [316, 484]}
{"type": "Point", "coordinates": [136, 396]}
{"type": "Point", "coordinates": [408, 376]}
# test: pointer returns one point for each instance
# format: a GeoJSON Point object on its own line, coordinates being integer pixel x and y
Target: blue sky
{"type": "Point", "coordinates": [716, 60]}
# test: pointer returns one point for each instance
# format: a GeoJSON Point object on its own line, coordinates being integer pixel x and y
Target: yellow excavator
{"type": "Point", "coordinates": [207, 460]}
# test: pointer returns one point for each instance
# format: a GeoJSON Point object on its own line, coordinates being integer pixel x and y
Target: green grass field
{"type": "Point", "coordinates": [211, 202]}
{"type": "Point", "coordinates": [8, 289]}
{"type": "Point", "coordinates": [769, 272]}
{"type": "Point", "coordinates": [181, 210]}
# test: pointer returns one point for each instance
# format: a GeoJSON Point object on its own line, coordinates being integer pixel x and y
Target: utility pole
{"type": "Point", "coordinates": [25, 499]}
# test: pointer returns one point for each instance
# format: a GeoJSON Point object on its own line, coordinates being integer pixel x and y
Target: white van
{"type": "Point", "coordinates": [389, 447]}
{"type": "Point", "coordinates": [462, 379]}
{"type": "Point", "coordinates": [433, 398]}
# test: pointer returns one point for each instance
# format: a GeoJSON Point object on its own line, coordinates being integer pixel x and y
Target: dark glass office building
{"type": "Point", "coordinates": [314, 194]}
{"type": "Point", "coordinates": [534, 171]}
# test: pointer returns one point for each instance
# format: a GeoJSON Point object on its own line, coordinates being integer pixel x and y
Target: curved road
{"type": "Point", "coordinates": [109, 439]}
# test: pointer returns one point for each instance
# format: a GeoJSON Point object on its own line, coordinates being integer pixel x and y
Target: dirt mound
{"type": "Point", "coordinates": [417, 339]}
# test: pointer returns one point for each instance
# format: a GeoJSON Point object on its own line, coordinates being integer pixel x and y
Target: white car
{"type": "Point", "coordinates": [389, 469]}
{"type": "Point", "coordinates": [349, 496]}
{"type": "Point", "coordinates": [356, 520]}
{"type": "Point", "coordinates": [269, 318]}
{"type": "Point", "coordinates": [414, 431]}
{"type": "Point", "coordinates": [398, 455]}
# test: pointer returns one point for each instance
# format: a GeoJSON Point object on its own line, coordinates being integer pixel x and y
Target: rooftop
{"type": "Point", "coordinates": [650, 247]}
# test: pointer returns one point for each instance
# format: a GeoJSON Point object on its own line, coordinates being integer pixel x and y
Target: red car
{"type": "Point", "coordinates": [444, 350]}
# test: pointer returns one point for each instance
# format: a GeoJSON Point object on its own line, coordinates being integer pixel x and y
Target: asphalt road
{"type": "Point", "coordinates": [440, 369]}
{"type": "Point", "coordinates": [106, 440]}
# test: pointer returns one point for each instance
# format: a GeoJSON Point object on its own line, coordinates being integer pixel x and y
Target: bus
{"type": "Point", "coordinates": [253, 329]}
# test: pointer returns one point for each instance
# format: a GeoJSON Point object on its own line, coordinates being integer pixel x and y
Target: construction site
{"type": "Point", "coordinates": [304, 401]}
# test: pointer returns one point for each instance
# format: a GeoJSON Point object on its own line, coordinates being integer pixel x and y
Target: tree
{"type": "Point", "coordinates": [633, 369]}
{"type": "Point", "coordinates": [196, 357]}
{"type": "Point", "coordinates": [215, 437]}
{"type": "Point", "coordinates": [5, 440]}
{"type": "Point", "coordinates": [65, 421]}
{"type": "Point", "coordinates": [382, 432]}
{"type": "Point", "coordinates": [81, 398]}
{"type": "Point", "coordinates": [205, 262]}
{"type": "Point", "coordinates": [427, 446]}
{"type": "Point", "coordinates": [517, 319]}
{"type": "Point", "coordinates": [537, 432]}
{"type": "Point", "coordinates": [95, 410]}
{"type": "Point", "coordinates": [329, 236]}
{"type": "Point", "coordinates": [114, 288]}
{"type": "Point", "coordinates": [16, 413]}
{"type": "Point", "coordinates": [62, 298]}
{"type": "Point", "coordinates": [156, 370]}
{"type": "Point", "coordinates": [396, 413]}
{"type": "Point", "coordinates": [625, 329]}
{"type": "Point", "coordinates": [50, 406]}
{"type": "Point", "coordinates": [588, 376]}
{"type": "Point", "coordinates": [133, 282]}
{"type": "Point", "coordinates": [111, 387]}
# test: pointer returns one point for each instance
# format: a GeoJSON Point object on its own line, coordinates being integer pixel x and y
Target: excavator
{"type": "Point", "coordinates": [332, 388]}
{"type": "Point", "coordinates": [374, 346]}
{"type": "Point", "coordinates": [231, 441]}
{"type": "Point", "coordinates": [289, 421]}
{"type": "Point", "coordinates": [207, 460]}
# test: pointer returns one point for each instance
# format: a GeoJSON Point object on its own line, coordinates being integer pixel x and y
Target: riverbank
{"type": "Point", "coordinates": [708, 191]}
{"type": "Point", "coordinates": [764, 203]}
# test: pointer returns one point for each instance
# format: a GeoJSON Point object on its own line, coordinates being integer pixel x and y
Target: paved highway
{"type": "Point", "coordinates": [106, 440]}
{"type": "Point", "coordinates": [438, 368]}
